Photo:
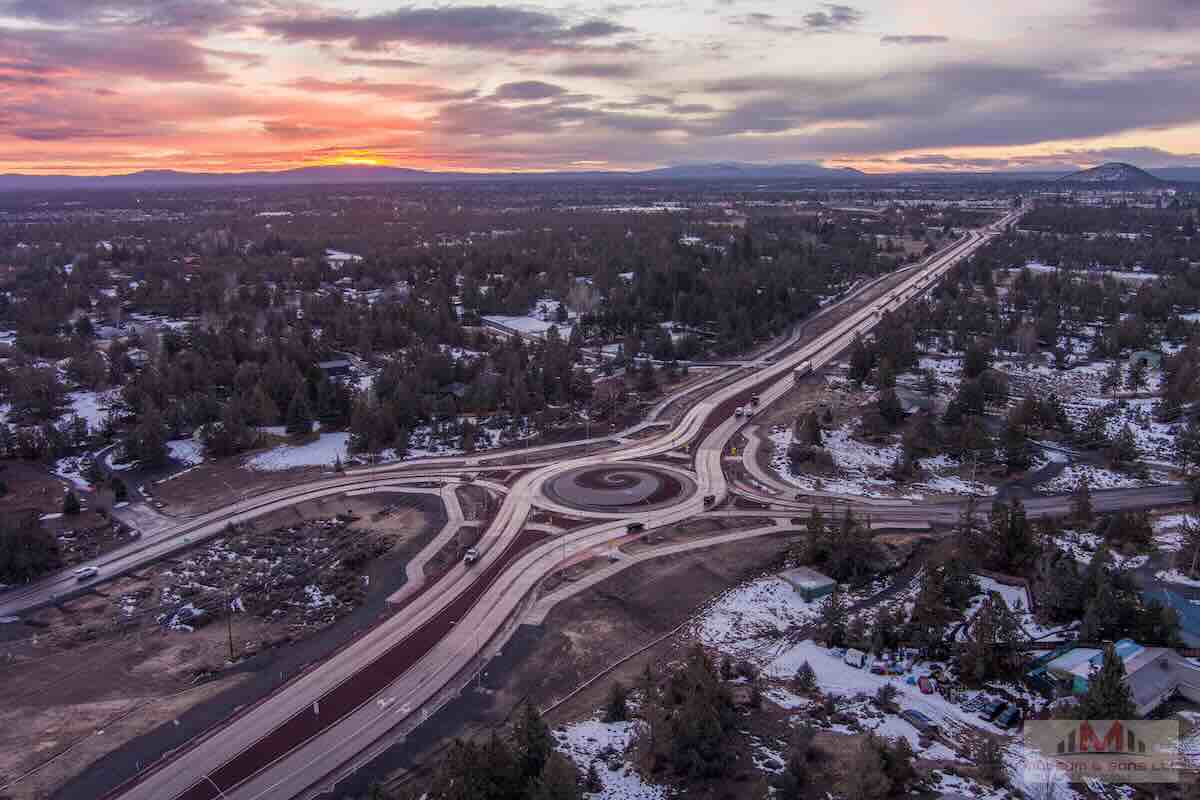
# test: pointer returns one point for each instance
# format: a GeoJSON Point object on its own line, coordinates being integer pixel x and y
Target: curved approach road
{"type": "Point", "coordinates": [319, 727]}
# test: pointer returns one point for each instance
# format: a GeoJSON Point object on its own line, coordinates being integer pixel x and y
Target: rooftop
{"type": "Point", "coordinates": [806, 577]}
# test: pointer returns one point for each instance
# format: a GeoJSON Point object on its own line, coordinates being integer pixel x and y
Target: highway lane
{"type": "Point", "coordinates": [253, 741]}
{"type": "Point", "coordinates": [175, 539]}
{"type": "Point", "coordinates": [293, 770]}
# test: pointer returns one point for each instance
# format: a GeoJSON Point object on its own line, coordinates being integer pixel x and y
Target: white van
{"type": "Point", "coordinates": [856, 658]}
{"type": "Point", "coordinates": [86, 573]}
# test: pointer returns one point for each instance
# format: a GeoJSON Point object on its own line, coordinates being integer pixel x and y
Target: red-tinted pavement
{"type": "Point", "coordinates": [356, 690]}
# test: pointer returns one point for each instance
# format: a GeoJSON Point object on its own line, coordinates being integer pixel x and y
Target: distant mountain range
{"type": "Point", "coordinates": [377, 174]}
{"type": "Point", "coordinates": [1117, 175]}
{"type": "Point", "coordinates": [735, 169]}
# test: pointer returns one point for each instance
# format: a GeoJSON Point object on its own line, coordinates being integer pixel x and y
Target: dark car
{"type": "Point", "coordinates": [1010, 717]}
{"type": "Point", "coordinates": [709, 499]}
{"type": "Point", "coordinates": [919, 721]}
{"type": "Point", "coordinates": [635, 527]}
{"type": "Point", "coordinates": [992, 709]}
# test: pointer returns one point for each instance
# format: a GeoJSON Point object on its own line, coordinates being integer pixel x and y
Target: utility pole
{"type": "Point", "coordinates": [229, 622]}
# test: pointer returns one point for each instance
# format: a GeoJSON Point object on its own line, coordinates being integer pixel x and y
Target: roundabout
{"type": "Point", "coordinates": [630, 488]}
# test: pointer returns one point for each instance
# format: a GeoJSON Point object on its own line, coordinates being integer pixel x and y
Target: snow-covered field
{"type": "Point", "coordinates": [862, 469]}
{"type": "Point", "coordinates": [1097, 478]}
{"type": "Point", "coordinates": [322, 452]}
{"type": "Point", "coordinates": [754, 614]}
{"type": "Point", "coordinates": [91, 406]}
{"type": "Point", "coordinates": [188, 452]}
{"type": "Point", "coordinates": [592, 741]}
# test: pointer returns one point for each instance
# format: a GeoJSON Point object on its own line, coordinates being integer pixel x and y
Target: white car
{"type": "Point", "coordinates": [86, 573]}
{"type": "Point", "coordinates": [471, 556]}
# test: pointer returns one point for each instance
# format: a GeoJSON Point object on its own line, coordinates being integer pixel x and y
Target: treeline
{"type": "Point", "coordinates": [1005, 540]}
{"type": "Point", "coordinates": [521, 764]}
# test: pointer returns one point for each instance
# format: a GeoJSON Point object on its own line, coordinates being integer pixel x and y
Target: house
{"type": "Point", "coordinates": [1154, 674]}
{"type": "Point", "coordinates": [336, 368]}
{"type": "Point", "coordinates": [1186, 611]}
{"type": "Point", "coordinates": [808, 583]}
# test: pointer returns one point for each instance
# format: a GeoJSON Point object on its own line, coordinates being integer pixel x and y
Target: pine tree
{"type": "Point", "coordinates": [592, 783]}
{"type": "Point", "coordinates": [865, 779]}
{"type": "Point", "coordinates": [991, 639]}
{"type": "Point", "coordinates": [889, 407]}
{"type": "Point", "coordinates": [989, 757]}
{"type": "Point", "coordinates": [532, 742]}
{"type": "Point", "coordinates": [299, 417]}
{"type": "Point", "coordinates": [1124, 449]}
{"type": "Point", "coordinates": [1082, 513]}
{"type": "Point", "coordinates": [1136, 379]}
{"type": "Point", "coordinates": [929, 382]}
{"type": "Point", "coordinates": [1112, 379]}
{"type": "Point", "coordinates": [557, 781]}
{"type": "Point", "coordinates": [805, 681]}
{"type": "Point", "coordinates": [832, 620]}
{"type": "Point", "coordinates": [617, 709]}
{"type": "Point", "coordinates": [1108, 695]}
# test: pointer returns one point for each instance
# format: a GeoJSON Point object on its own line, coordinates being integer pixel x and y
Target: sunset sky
{"type": "Point", "coordinates": [103, 86]}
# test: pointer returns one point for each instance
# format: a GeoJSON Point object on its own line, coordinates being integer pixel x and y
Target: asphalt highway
{"type": "Point", "coordinates": [300, 740]}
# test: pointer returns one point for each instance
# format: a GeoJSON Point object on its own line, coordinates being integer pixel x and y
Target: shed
{"type": "Point", "coordinates": [808, 583]}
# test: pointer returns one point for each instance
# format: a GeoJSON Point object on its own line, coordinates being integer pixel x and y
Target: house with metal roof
{"type": "Point", "coordinates": [1187, 612]}
{"type": "Point", "coordinates": [1154, 674]}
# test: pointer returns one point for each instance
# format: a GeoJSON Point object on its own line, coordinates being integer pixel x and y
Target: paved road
{"type": "Point", "coordinates": [299, 740]}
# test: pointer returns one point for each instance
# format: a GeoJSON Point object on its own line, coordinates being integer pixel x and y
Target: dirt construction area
{"type": "Point", "coordinates": [83, 679]}
{"type": "Point", "coordinates": [591, 631]}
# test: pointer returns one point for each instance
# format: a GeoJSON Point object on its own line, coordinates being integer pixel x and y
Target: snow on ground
{"type": "Point", "coordinates": [858, 463]}
{"type": "Point", "coordinates": [322, 452]}
{"type": "Point", "coordinates": [836, 677]}
{"type": "Point", "coordinates": [861, 467]}
{"type": "Point", "coordinates": [951, 785]}
{"type": "Point", "coordinates": [1097, 478]}
{"type": "Point", "coordinates": [1168, 531]}
{"type": "Point", "coordinates": [1176, 576]}
{"type": "Point", "coordinates": [1155, 440]}
{"type": "Point", "coordinates": [527, 326]}
{"type": "Point", "coordinates": [605, 742]}
{"type": "Point", "coordinates": [91, 406]}
{"type": "Point", "coordinates": [1083, 546]}
{"type": "Point", "coordinates": [754, 613]}
{"type": "Point", "coordinates": [1016, 598]}
{"type": "Point", "coordinates": [188, 452]}
{"type": "Point", "coordinates": [70, 469]}
{"type": "Point", "coordinates": [953, 484]}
